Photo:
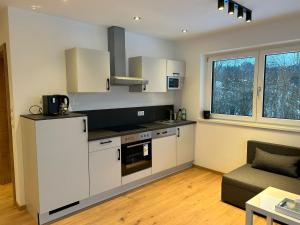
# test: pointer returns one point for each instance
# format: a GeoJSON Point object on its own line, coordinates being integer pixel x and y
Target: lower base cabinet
{"type": "Point", "coordinates": [105, 170]}
{"type": "Point", "coordinates": [163, 153]}
{"type": "Point", "coordinates": [185, 144]}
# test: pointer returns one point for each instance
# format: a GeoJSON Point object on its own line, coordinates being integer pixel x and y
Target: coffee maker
{"type": "Point", "coordinates": [54, 105]}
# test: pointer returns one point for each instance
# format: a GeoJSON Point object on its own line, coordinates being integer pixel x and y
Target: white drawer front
{"type": "Point", "coordinates": [104, 144]}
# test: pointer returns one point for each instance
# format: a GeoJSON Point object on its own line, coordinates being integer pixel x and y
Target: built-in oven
{"type": "Point", "coordinates": [136, 152]}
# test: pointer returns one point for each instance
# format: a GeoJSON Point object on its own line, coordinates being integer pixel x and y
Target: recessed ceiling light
{"type": "Point", "coordinates": [184, 30]}
{"type": "Point", "coordinates": [137, 18]}
{"type": "Point", "coordinates": [35, 7]}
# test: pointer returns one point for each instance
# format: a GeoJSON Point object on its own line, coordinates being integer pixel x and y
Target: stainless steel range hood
{"type": "Point", "coordinates": [116, 47]}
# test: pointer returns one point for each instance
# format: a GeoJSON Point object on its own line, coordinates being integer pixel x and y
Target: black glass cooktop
{"type": "Point", "coordinates": [125, 128]}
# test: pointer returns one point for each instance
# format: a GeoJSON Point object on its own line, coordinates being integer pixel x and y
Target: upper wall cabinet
{"type": "Point", "coordinates": [88, 70]}
{"type": "Point", "coordinates": [151, 69]}
{"type": "Point", "coordinates": [175, 68]}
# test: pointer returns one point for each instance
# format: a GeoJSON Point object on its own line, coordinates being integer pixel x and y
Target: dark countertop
{"type": "Point", "coordinates": [38, 117]}
{"type": "Point", "coordinates": [103, 134]}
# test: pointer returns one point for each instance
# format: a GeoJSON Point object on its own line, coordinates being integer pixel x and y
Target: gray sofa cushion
{"type": "Point", "coordinates": [256, 180]}
{"type": "Point", "coordinates": [275, 163]}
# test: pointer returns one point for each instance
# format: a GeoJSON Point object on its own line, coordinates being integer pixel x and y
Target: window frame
{"type": "Point", "coordinates": [209, 84]}
{"type": "Point", "coordinates": [261, 85]}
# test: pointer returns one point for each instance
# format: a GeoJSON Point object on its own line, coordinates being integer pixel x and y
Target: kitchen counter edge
{"type": "Point", "coordinates": [38, 117]}
{"type": "Point", "coordinates": [104, 134]}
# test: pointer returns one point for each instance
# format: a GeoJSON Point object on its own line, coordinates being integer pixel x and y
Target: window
{"type": "Point", "coordinates": [282, 86]}
{"type": "Point", "coordinates": [261, 85]}
{"type": "Point", "coordinates": [232, 86]}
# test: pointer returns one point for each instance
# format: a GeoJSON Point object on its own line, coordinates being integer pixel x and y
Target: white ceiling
{"type": "Point", "coordinates": [160, 18]}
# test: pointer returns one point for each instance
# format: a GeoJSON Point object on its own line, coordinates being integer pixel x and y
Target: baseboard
{"type": "Point", "coordinates": [20, 207]}
{"type": "Point", "coordinates": [204, 168]}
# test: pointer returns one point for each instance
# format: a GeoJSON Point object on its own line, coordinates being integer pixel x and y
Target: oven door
{"type": "Point", "coordinates": [173, 83]}
{"type": "Point", "coordinates": [136, 156]}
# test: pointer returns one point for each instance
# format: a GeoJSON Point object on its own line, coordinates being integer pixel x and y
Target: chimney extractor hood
{"type": "Point", "coordinates": [116, 47]}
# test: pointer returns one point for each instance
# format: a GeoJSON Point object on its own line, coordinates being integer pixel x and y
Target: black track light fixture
{"type": "Point", "coordinates": [230, 7]}
{"type": "Point", "coordinates": [221, 5]}
{"type": "Point", "coordinates": [248, 16]}
{"type": "Point", "coordinates": [240, 13]}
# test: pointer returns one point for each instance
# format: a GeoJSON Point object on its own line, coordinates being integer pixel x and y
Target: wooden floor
{"type": "Point", "coordinates": [191, 197]}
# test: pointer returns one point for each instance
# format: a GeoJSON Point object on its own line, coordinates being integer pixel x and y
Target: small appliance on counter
{"type": "Point", "coordinates": [54, 105]}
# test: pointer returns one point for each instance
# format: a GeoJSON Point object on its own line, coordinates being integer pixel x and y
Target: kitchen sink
{"type": "Point", "coordinates": [168, 122]}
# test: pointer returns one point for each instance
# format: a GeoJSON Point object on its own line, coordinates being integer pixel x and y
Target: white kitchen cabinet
{"type": "Point", "coordinates": [185, 144]}
{"type": "Point", "coordinates": [55, 163]}
{"type": "Point", "coordinates": [151, 69]}
{"type": "Point", "coordinates": [175, 68]}
{"type": "Point", "coordinates": [163, 153]}
{"type": "Point", "coordinates": [105, 170]}
{"type": "Point", "coordinates": [88, 70]}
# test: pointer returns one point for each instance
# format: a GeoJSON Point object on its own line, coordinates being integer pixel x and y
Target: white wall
{"type": "Point", "coordinates": [223, 147]}
{"type": "Point", "coordinates": [37, 43]}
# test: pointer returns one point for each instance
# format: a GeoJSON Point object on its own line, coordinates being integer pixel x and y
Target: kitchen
{"type": "Point", "coordinates": [129, 112]}
{"type": "Point", "coordinates": [106, 152]}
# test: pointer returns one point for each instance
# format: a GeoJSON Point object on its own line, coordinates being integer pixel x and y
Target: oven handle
{"type": "Point", "coordinates": [144, 143]}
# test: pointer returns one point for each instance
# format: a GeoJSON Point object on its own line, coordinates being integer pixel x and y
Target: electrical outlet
{"type": "Point", "coordinates": [141, 113]}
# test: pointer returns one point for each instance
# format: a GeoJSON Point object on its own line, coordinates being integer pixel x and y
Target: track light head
{"type": "Point", "coordinates": [221, 5]}
{"type": "Point", "coordinates": [248, 16]}
{"type": "Point", "coordinates": [230, 7]}
{"type": "Point", "coordinates": [240, 13]}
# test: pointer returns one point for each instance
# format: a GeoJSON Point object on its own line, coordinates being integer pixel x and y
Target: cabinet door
{"type": "Point", "coordinates": [88, 70]}
{"type": "Point", "coordinates": [185, 144]}
{"type": "Point", "coordinates": [151, 69]}
{"type": "Point", "coordinates": [105, 170]}
{"type": "Point", "coordinates": [163, 153]}
{"type": "Point", "coordinates": [175, 68]}
{"type": "Point", "coordinates": [154, 70]}
{"type": "Point", "coordinates": [62, 157]}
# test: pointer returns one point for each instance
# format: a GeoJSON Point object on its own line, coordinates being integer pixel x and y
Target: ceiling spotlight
{"type": "Point", "coordinates": [240, 14]}
{"type": "Point", "coordinates": [221, 5]}
{"type": "Point", "coordinates": [137, 18]}
{"type": "Point", "coordinates": [184, 30]}
{"type": "Point", "coordinates": [35, 7]}
{"type": "Point", "coordinates": [230, 7]}
{"type": "Point", "coordinates": [248, 16]}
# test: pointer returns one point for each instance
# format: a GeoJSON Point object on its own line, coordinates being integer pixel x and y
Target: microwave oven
{"type": "Point", "coordinates": [174, 82]}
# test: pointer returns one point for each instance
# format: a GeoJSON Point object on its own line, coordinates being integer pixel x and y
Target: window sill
{"type": "Point", "coordinates": [252, 125]}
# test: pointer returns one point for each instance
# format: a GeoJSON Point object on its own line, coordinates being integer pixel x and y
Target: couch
{"type": "Point", "coordinates": [243, 183]}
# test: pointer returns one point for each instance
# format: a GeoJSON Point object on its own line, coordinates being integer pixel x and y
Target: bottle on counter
{"type": "Point", "coordinates": [179, 114]}
{"type": "Point", "coordinates": [183, 114]}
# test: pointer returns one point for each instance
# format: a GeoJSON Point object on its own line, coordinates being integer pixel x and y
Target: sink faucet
{"type": "Point", "coordinates": [171, 114]}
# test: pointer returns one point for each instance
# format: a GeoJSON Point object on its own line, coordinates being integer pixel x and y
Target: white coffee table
{"type": "Point", "coordinates": [264, 204]}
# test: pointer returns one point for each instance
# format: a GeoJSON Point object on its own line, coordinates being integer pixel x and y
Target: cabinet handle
{"type": "Point", "coordinates": [119, 154]}
{"type": "Point", "coordinates": [84, 126]}
{"type": "Point", "coordinates": [165, 132]}
{"type": "Point", "coordinates": [178, 132]}
{"type": "Point", "coordinates": [105, 142]}
{"type": "Point", "coordinates": [107, 84]}
{"type": "Point", "coordinates": [145, 87]}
